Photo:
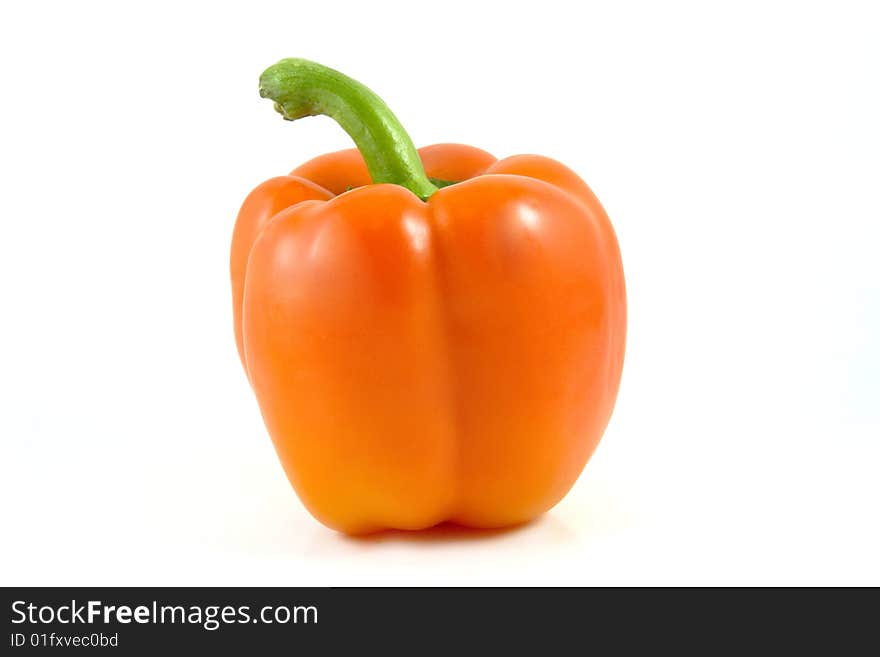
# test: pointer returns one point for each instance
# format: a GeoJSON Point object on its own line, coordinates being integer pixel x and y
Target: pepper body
{"type": "Point", "coordinates": [420, 361]}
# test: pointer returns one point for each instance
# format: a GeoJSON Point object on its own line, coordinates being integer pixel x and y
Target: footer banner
{"type": "Point", "coordinates": [410, 620]}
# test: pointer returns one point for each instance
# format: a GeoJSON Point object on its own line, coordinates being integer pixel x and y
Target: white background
{"type": "Point", "coordinates": [736, 149]}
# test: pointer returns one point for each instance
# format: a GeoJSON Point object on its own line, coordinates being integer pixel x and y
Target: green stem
{"type": "Point", "coordinates": [302, 88]}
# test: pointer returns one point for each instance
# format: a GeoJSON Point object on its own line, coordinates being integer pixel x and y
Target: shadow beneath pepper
{"type": "Point", "coordinates": [445, 532]}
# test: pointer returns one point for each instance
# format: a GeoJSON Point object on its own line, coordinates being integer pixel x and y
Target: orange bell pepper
{"type": "Point", "coordinates": [431, 335]}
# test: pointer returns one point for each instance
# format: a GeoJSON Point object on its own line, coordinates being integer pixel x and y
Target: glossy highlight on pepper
{"type": "Point", "coordinates": [424, 352]}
